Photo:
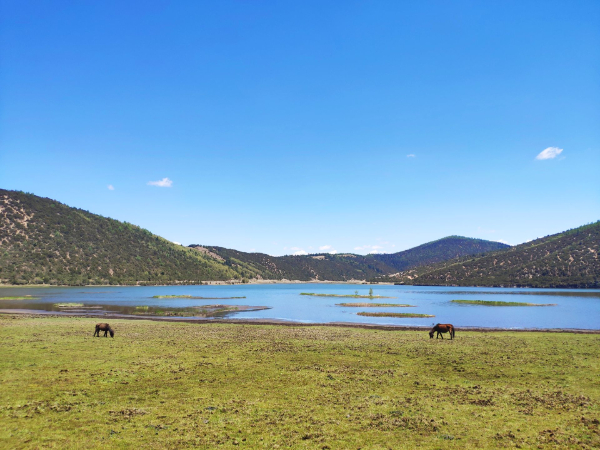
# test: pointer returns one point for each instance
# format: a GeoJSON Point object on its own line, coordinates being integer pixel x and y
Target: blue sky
{"type": "Point", "coordinates": [286, 127]}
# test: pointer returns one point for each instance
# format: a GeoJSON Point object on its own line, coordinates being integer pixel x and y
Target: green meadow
{"type": "Point", "coordinates": [215, 385]}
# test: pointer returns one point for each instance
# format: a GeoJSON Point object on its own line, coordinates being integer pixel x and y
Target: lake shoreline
{"type": "Point", "coordinates": [269, 282]}
{"type": "Point", "coordinates": [289, 323]}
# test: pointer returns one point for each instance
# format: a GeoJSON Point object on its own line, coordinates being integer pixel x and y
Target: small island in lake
{"type": "Point", "coordinates": [194, 311]}
{"type": "Point", "coordinates": [22, 297]}
{"type": "Point", "coordinates": [196, 298]}
{"type": "Point", "coordinates": [371, 305]}
{"type": "Point", "coordinates": [499, 303]}
{"type": "Point", "coordinates": [345, 296]}
{"type": "Point", "coordinates": [386, 314]}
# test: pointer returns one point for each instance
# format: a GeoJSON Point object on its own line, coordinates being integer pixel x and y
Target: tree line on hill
{"type": "Point", "coordinates": [43, 241]}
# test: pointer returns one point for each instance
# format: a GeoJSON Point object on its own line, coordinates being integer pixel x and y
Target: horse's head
{"type": "Point", "coordinates": [431, 333]}
{"type": "Point", "coordinates": [112, 333]}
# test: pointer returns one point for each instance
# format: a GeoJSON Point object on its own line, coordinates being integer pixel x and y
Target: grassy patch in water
{"type": "Point", "coordinates": [368, 305]}
{"type": "Point", "coordinates": [20, 297]}
{"type": "Point", "coordinates": [348, 296]}
{"type": "Point", "coordinates": [68, 305]}
{"type": "Point", "coordinates": [175, 385]}
{"type": "Point", "coordinates": [199, 298]}
{"type": "Point", "coordinates": [191, 311]}
{"type": "Point", "coordinates": [498, 303]}
{"type": "Point", "coordinates": [389, 314]}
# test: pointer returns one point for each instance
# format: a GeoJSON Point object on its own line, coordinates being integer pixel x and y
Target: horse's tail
{"type": "Point", "coordinates": [453, 332]}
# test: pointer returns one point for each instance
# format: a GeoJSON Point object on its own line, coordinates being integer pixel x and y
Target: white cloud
{"type": "Point", "coordinates": [412, 155]}
{"type": "Point", "coordinates": [368, 247]}
{"type": "Point", "coordinates": [300, 252]}
{"type": "Point", "coordinates": [111, 187]}
{"type": "Point", "coordinates": [503, 241]}
{"type": "Point", "coordinates": [324, 247]}
{"type": "Point", "coordinates": [165, 182]}
{"type": "Point", "coordinates": [175, 242]}
{"type": "Point", "coordinates": [549, 153]}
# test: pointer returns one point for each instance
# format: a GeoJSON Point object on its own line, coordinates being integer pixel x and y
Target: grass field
{"type": "Point", "coordinates": [176, 385]}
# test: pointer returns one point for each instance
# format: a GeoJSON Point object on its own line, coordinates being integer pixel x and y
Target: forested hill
{"type": "Point", "coordinates": [437, 251]}
{"type": "Point", "coordinates": [305, 267]}
{"type": "Point", "coordinates": [343, 267]}
{"type": "Point", "coordinates": [563, 260]}
{"type": "Point", "coordinates": [44, 241]}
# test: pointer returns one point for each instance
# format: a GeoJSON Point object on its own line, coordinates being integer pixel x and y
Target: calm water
{"type": "Point", "coordinates": [574, 308]}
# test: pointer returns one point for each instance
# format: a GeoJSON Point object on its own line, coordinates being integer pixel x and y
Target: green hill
{"type": "Point", "coordinates": [437, 251]}
{"type": "Point", "coordinates": [343, 267]}
{"type": "Point", "coordinates": [563, 260]}
{"type": "Point", "coordinates": [44, 241]}
{"type": "Point", "coordinates": [322, 266]}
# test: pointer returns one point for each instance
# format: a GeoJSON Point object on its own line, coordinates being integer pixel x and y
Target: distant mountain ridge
{"type": "Point", "coordinates": [438, 251]}
{"type": "Point", "coordinates": [347, 266]}
{"type": "Point", "coordinates": [322, 266]}
{"type": "Point", "coordinates": [45, 241]}
{"type": "Point", "coordinates": [563, 260]}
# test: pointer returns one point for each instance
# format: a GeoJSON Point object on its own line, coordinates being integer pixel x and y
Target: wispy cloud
{"type": "Point", "coordinates": [165, 182]}
{"type": "Point", "coordinates": [549, 153]}
{"type": "Point", "coordinates": [111, 187]}
{"type": "Point", "coordinates": [327, 249]}
{"type": "Point", "coordinates": [297, 251]}
{"type": "Point", "coordinates": [370, 248]}
{"type": "Point", "coordinates": [412, 155]}
{"type": "Point", "coordinates": [175, 242]}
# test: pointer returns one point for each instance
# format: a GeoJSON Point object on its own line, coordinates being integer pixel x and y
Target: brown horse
{"type": "Point", "coordinates": [442, 328]}
{"type": "Point", "coordinates": [104, 327]}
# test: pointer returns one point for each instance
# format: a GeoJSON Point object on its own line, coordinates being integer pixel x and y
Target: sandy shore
{"type": "Point", "coordinates": [206, 321]}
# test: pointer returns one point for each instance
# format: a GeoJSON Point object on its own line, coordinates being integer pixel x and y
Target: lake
{"type": "Point", "coordinates": [578, 309]}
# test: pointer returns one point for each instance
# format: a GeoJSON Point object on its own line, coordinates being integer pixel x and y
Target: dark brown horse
{"type": "Point", "coordinates": [104, 327]}
{"type": "Point", "coordinates": [442, 328]}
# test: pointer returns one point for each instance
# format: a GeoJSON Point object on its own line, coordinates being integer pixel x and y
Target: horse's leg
{"type": "Point", "coordinates": [105, 333]}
